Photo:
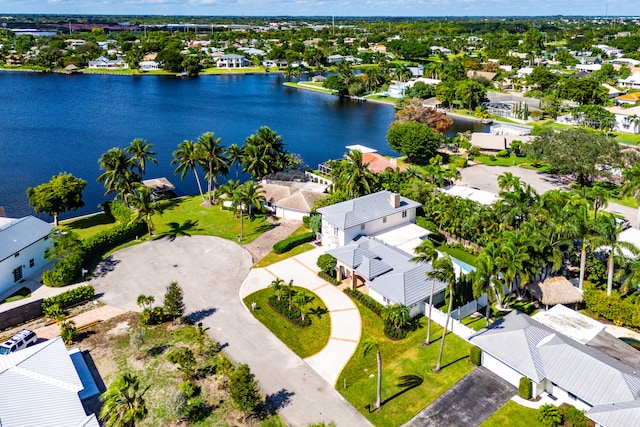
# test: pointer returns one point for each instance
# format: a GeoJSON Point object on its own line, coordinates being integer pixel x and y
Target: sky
{"type": "Point", "coordinates": [325, 7]}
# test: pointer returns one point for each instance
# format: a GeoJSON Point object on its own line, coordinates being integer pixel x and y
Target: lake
{"type": "Point", "coordinates": [53, 123]}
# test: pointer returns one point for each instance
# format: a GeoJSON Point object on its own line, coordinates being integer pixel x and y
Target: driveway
{"type": "Point", "coordinates": [468, 403]}
{"type": "Point", "coordinates": [211, 270]}
{"type": "Point", "coordinates": [486, 178]}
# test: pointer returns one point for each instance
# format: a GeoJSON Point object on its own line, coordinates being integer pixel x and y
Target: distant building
{"type": "Point", "coordinates": [627, 119]}
{"type": "Point", "coordinates": [104, 62]}
{"type": "Point", "coordinates": [232, 60]}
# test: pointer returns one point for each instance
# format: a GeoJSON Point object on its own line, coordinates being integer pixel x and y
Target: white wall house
{"type": "Point", "coordinates": [232, 60]}
{"type": "Point", "coordinates": [104, 62]}
{"type": "Point", "coordinates": [627, 119]}
{"type": "Point", "coordinates": [23, 242]}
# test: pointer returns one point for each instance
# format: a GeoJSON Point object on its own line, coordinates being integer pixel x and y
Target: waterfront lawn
{"type": "Point", "coordinates": [513, 415]}
{"type": "Point", "coordinates": [501, 161]}
{"type": "Point", "coordinates": [87, 226]}
{"type": "Point", "coordinates": [400, 358]}
{"type": "Point", "coordinates": [304, 342]}
{"type": "Point", "coordinates": [272, 257]}
{"type": "Point", "coordinates": [312, 86]}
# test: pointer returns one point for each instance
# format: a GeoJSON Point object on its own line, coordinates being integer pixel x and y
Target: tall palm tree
{"type": "Point", "coordinates": [231, 191]}
{"type": "Point", "coordinates": [234, 156]}
{"type": "Point", "coordinates": [249, 194]}
{"type": "Point", "coordinates": [369, 345]}
{"type": "Point", "coordinates": [140, 151]}
{"type": "Point", "coordinates": [123, 402]}
{"type": "Point", "coordinates": [354, 177]}
{"type": "Point", "coordinates": [263, 153]}
{"type": "Point", "coordinates": [211, 156]}
{"type": "Point", "coordinates": [486, 277]}
{"type": "Point", "coordinates": [631, 187]}
{"type": "Point", "coordinates": [277, 285]}
{"type": "Point", "coordinates": [426, 252]}
{"type": "Point", "coordinates": [443, 271]}
{"type": "Point", "coordinates": [118, 177]}
{"type": "Point", "coordinates": [302, 300]}
{"type": "Point", "coordinates": [144, 207]}
{"type": "Point", "coordinates": [186, 157]}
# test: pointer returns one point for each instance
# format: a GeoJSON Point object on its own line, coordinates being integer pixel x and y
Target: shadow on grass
{"type": "Point", "coordinates": [177, 230]}
{"type": "Point", "coordinates": [408, 382]}
{"type": "Point", "coordinates": [453, 362]}
{"type": "Point", "coordinates": [318, 311]}
{"type": "Point", "coordinates": [90, 221]}
{"type": "Point", "coordinates": [157, 350]}
{"type": "Point", "coordinates": [199, 315]}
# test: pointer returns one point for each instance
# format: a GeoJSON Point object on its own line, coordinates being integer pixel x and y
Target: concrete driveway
{"type": "Point", "coordinates": [468, 403]}
{"type": "Point", "coordinates": [486, 178]}
{"type": "Point", "coordinates": [211, 270]}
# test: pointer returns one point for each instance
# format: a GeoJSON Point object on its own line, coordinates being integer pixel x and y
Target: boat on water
{"type": "Point", "coordinates": [486, 121]}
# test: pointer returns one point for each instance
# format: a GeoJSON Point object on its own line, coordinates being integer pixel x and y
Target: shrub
{"type": "Point", "coordinates": [292, 315]}
{"type": "Point", "coordinates": [460, 162]}
{"type": "Point", "coordinates": [121, 212]}
{"type": "Point", "coordinates": [492, 158]}
{"type": "Point", "coordinates": [69, 298]}
{"type": "Point", "coordinates": [173, 301]}
{"type": "Point", "coordinates": [329, 278]}
{"type": "Point", "coordinates": [573, 417]}
{"type": "Point", "coordinates": [549, 416]}
{"type": "Point", "coordinates": [425, 223]}
{"type": "Point", "coordinates": [68, 331]}
{"type": "Point", "coordinates": [186, 361]}
{"type": "Point", "coordinates": [152, 316]}
{"type": "Point", "coordinates": [621, 311]}
{"type": "Point", "coordinates": [365, 300]}
{"type": "Point", "coordinates": [197, 409]}
{"type": "Point", "coordinates": [291, 242]}
{"type": "Point", "coordinates": [503, 153]}
{"type": "Point", "coordinates": [524, 388]}
{"type": "Point", "coordinates": [475, 357]}
{"type": "Point", "coordinates": [137, 338]}
{"type": "Point", "coordinates": [189, 388]}
{"type": "Point", "coordinates": [327, 263]}
{"type": "Point", "coordinates": [244, 389]}
{"type": "Point", "coordinates": [176, 403]}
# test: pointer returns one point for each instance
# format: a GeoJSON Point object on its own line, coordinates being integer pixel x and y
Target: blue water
{"type": "Point", "coordinates": [51, 123]}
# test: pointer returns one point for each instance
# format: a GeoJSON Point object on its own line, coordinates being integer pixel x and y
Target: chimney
{"type": "Point", "coordinates": [395, 200]}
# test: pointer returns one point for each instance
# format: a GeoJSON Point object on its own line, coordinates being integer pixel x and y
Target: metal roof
{"type": "Point", "coordinates": [364, 209]}
{"type": "Point", "coordinates": [620, 414]}
{"type": "Point", "coordinates": [17, 234]}
{"type": "Point", "coordinates": [44, 386]}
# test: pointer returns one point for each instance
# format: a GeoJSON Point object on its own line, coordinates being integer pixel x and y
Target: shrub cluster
{"type": "Point", "coordinates": [621, 311]}
{"type": "Point", "coordinates": [524, 388]}
{"type": "Point", "coordinates": [70, 297]}
{"type": "Point", "coordinates": [574, 417]}
{"type": "Point", "coordinates": [152, 316]}
{"type": "Point", "coordinates": [475, 355]}
{"type": "Point", "coordinates": [365, 300]}
{"type": "Point", "coordinates": [395, 334]}
{"type": "Point", "coordinates": [294, 316]}
{"type": "Point", "coordinates": [289, 243]}
{"type": "Point", "coordinates": [329, 278]}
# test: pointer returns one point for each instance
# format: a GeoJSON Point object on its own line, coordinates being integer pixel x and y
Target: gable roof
{"type": "Point", "coordinates": [364, 209]}
{"type": "Point", "coordinates": [290, 197]}
{"type": "Point", "coordinates": [616, 414]}
{"type": "Point", "coordinates": [44, 388]}
{"type": "Point", "coordinates": [539, 352]}
{"type": "Point", "coordinates": [17, 234]}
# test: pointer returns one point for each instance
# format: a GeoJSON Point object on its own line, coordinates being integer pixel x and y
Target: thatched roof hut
{"type": "Point", "coordinates": [555, 290]}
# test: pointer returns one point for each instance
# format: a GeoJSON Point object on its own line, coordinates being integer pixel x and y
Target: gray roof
{"type": "Point", "coordinates": [44, 388]}
{"type": "Point", "coordinates": [17, 234]}
{"type": "Point", "coordinates": [388, 270]}
{"type": "Point", "coordinates": [620, 414]}
{"type": "Point", "coordinates": [539, 352]}
{"type": "Point", "coordinates": [364, 209]}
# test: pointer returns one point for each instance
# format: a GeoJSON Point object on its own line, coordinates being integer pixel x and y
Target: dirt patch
{"type": "Point", "coordinates": [263, 244]}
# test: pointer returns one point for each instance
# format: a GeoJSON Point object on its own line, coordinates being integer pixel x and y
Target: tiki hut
{"type": "Point", "coordinates": [555, 290]}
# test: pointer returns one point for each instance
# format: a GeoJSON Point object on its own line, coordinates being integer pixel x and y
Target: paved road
{"type": "Point", "coordinates": [210, 271]}
{"type": "Point", "coordinates": [486, 178]}
{"type": "Point", "coordinates": [468, 403]}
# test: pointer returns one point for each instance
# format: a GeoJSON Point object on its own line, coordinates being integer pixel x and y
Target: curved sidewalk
{"type": "Point", "coordinates": [346, 324]}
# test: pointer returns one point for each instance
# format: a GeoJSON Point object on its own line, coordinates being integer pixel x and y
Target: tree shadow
{"type": "Point", "coordinates": [279, 399]}
{"type": "Point", "coordinates": [408, 382]}
{"type": "Point", "coordinates": [200, 315]}
{"type": "Point", "coordinates": [318, 311]}
{"type": "Point", "coordinates": [177, 229]}
{"type": "Point", "coordinates": [105, 267]}
{"type": "Point", "coordinates": [156, 350]}
{"type": "Point", "coordinates": [452, 362]}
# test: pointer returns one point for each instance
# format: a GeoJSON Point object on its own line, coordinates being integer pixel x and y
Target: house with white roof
{"type": "Point", "coordinates": [104, 62]}
{"type": "Point", "coordinates": [23, 244]}
{"type": "Point", "coordinates": [633, 81]}
{"type": "Point", "coordinates": [42, 388]}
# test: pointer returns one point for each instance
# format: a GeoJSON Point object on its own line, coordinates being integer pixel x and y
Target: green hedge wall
{"type": "Point", "coordinates": [524, 388]}
{"type": "Point", "coordinates": [70, 297]}
{"type": "Point", "coordinates": [621, 311]}
{"type": "Point", "coordinates": [475, 355]}
{"type": "Point", "coordinates": [291, 242]}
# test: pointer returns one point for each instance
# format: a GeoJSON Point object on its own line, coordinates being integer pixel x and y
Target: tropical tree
{"type": "Point", "coordinates": [123, 402]}
{"type": "Point", "coordinates": [234, 156]}
{"type": "Point", "coordinates": [249, 194]}
{"type": "Point", "coordinates": [140, 152]}
{"type": "Point", "coordinates": [443, 271]}
{"type": "Point", "coordinates": [145, 301]}
{"type": "Point", "coordinates": [263, 153]}
{"type": "Point", "coordinates": [186, 159]}
{"type": "Point", "coordinates": [231, 192]}
{"type": "Point", "coordinates": [486, 277]}
{"type": "Point", "coordinates": [369, 345]}
{"type": "Point", "coordinates": [144, 207]}
{"type": "Point", "coordinates": [352, 176]}
{"type": "Point", "coordinates": [396, 314]}
{"type": "Point", "coordinates": [277, 284]}
{"type": "Point", "coordinates": [302, 300]}
{"type": "Point", "coordinates": [426, 253]}
{"type": "Point", "coordinates": [62, 193]}
{"type": "Point", "coordinates": [211, 156]}
{"type": "Point", "coordinates": [631, 187]}
{"type": "Point", "coordinates": [118, 176]}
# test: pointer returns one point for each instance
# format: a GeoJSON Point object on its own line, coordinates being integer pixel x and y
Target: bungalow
{"type": "Point", "coordinates": [149, 65]}
{"type": "Point", "coordinates": [232, 60]}
{"type": "Point", "coordinates": [627, 119]}
{"type": "Point", "coordinates": [629, 98]}
{"type": "Point", "coordinates": [104, 62]}
{"type": "Point", "coordinates": [291, 199]}
{"type": "Point", "coordinates": [633, 81]}
{"type": "Point", "coordinates": [365, 215]}
{"type": "Point", "coordinates": [24, 242]}
{"type": "Point", "coordinates": [519, 346]}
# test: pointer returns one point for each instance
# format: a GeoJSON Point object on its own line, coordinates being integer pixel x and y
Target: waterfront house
{"type": "Point", "coordinates": [24, 242]}
{"type": "Point", "coordinates": [292, 200]}
{"type": "Point", "coordinates": [104, 62]}
{"type": "Point", "coordinates": [232, 60]}
{"type": "Point", "coordinates": [149, 65]}
{"type": "Point", "coordinates": [629, 98]}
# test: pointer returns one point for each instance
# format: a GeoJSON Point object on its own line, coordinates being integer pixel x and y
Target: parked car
{"type": "Point", "coordinates": [623, 222]}
{"type": "Point", "coordinates": [23, 339]}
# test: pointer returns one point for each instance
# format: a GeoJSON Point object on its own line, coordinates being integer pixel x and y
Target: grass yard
{"type": "Point", "coordinates": [513, 415]}
{"type": "Point", "coordinates": [18, 295]}
{"type": "Point", "coordinates": [272, 257]}
{"type": "Point", "coordinates": [304, 342]}
{"type": "Point", "coordinates": [400, 358]}
{"type": "Point", "coordinates": [459, 254]}
{"type": "Point", "coordinates": [87, 226]}
{"type": "Point", "coordinates": [501, 161]}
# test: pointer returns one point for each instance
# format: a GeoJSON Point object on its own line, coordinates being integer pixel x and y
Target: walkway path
{"type": "Point", "coordinates": [211, 271]}
{"type": "Point", "coordinates": [346, 324]}
{"type": "Point", "coordinates": [263, 244]}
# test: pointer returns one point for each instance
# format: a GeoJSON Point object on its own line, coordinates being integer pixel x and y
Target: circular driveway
{"type": "Point", "coordinates": [210, 271]}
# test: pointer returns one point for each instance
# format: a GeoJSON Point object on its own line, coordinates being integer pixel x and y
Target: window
{"type": "Point", "coordinates": [384, 219]}
{"type": "Point", "coordinates": [386, 300]}
{"type": "Point", "coordinates": [361, 227]}
{"type": "Point", "coordinates": [17, 274]}
{"type": "Point", "coordinates": [32, 263]}
{"type": "Point", "coordinates": [404, 214]}
{"type": "Point", "coordinates": [335, 231]}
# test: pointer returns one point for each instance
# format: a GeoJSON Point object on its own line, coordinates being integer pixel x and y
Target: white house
{"type": "Point", "coordinates": [104, 62]}
{"type": "Point", "coordinates": [627, 119]}
{"type": "Point", "coordinates": [149, 65]}
{"type": "Point", "coordinates": [232, 60]}
{"type": "Point", "coordinates": [633, 81]}
{"type": "Point", "coordinates": [23, 242]}
{"type": "Point", "coordinates": [366, 215]}
{"type": "Point", "coordinates": [42, 387]}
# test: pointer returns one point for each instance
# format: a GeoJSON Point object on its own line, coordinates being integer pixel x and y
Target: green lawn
{"type": "Point", "coordinates": [459, 254]}
{"type": "Point", "coordinates": [501, 161]}
{"type": "Point", "coordinates": [400, 358]}
{"type": "Point", "coordinates": [272, 257]}
{"type": "Point", "coordinates": [18, 295]}
{"type": "Point", "coordinates": [304, 342]}
{"type": "Point", "coordinates": [312, 86]}
{"type": "Point", "coordinates": [513, 415]}
{"type": "Point", "coordinates": [89, 225]}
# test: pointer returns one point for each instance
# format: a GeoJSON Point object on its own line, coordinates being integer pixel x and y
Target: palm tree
{"type": "Point", "coordinates": [631, 187]}
{"type": "Point", "coordinates": [144, 207]}
{"type": "Point", "coordinates": [426, 252]}
{"type": "Point", "coordinates": [211, 155]}
{"type": "Point", "coordinates": [123, 404]}
{"type": "Point", "coordinates": [397, 314]}
{"type": "Point", "coordinates": [263, 153]}
{"type": "Point", "coordinates": [369, 345]}
{"type": "Point", "coordinates": [118, 177]}
{"type": "Point", "coordinates": [277, 285]}
{"type": "Point", "coordinates": [486, 277]}
{"type": "Point", "coordinates": [249, 194]}
{"type": "Point", "coordinates": [186, 157]}
{"type": "Point", "coordinates": [302, 301]}
{"type": "Point", "coordinates": [354, 177]}
{"type": "Point", "coordinates": [231, 191]}
{"type": "Point", "coordinates": [140, 151]}
{"type": "Point", "coordinates": [234, 156]}
{"type": "Point", "coordinates": [443, 271]}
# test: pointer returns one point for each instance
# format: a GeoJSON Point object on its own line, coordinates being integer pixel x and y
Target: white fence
{"type": "Point", "coordinates": [469, 308]}
{"type": "Point", "coordinates": [455, 326]}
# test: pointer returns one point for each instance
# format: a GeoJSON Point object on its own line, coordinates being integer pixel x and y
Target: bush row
{"type": "Point", "coordinates": [620, 311]}
{"type": "Point", "coordinates": [329, 278]}
{"type": "Point", "coordinates": [365, 300]}
{"type": "Point", "coordinates": [291, 242]}
{"type": "Point", "coordinates": [293, 315]}
{"type": "Point", "coordinates": [475, 355]}
{"type": "Point", "coordinates": [70, 297]}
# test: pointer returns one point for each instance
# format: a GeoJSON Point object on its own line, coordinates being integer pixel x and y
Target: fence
{"type": "Point", "coordinates": [455, 325]}
{"type": "Point", "coordinates": [21, 314]}
{"type": "Point", "coordinates": [469, 308]}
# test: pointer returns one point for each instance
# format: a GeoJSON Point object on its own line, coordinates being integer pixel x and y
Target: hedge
{"type": "Point", "coordinates": [365, 300]}
{"type": "Point", "coordinates": [294, 316]}
{"type": "Point", "coordinates": [291, 242]}
{"type": "Point", "coordinates": [70, 297]}
{"type": "Point", "coordinates": [329, 278]}
{"type": "Point", "coordinates": [475, 355]}
{"type": "Point", "coordinates": [621, 311]}
{"type": "Point", "coordinates": [524, 388]}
